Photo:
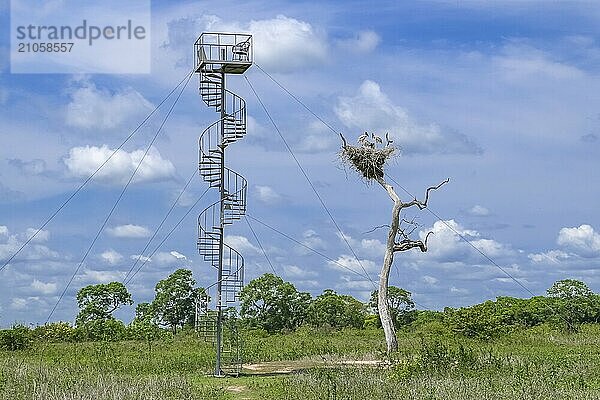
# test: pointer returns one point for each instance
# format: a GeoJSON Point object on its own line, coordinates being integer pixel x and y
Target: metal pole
{"type": "Point", "coordinates": [219, 332]}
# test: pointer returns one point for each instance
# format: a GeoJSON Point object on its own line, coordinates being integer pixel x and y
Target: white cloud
{"type": "Point", "coordinates": [111, 257]}
{"type": "Point", "coordinates": [294, 271]}
{"type": "Point", "coordinates": [178, 255]}
{"type": "Point", "coordinates": [18, 303]}
{"type": "Point", "coordinates": [41, 236]}
{"type": "Point", "coordinates": [582, 240]}
{"type": "Point", "coordinates": [520, 61]}
{"type": "Point", "coordinates": [129, 231]}
{"type": "Point", "coordinates": [92, 108]}
{"type": "Point", "coordinates": [84, 161]}
{"type": "Point", "coordinates": [93, 276]}
{"type": "Point", "coordinates": [372, 110]}
{"type": "Point", "coordinates": [446, 244]}
{"type": "Point", "coordinates": [554, 256]}
{"type": "Point", "coordinates": [311, 239]}
{"type": "Point", "coordinates": [490, 247]}
{"type": "Point", "coordinates": [284, 44]}
{"type": "Point", "coordinates": [479, 211]}
{"type": "Point", "coordinates": [349, 263]}
{"type": "Point", "coordinates": [313, 143]}
{"type": "Point", "coordinates": [240, 243]}
{"type": "Point", "coordinates": [364, 42]}
{"type": "Point", "coordinates": [164, 258]}
{"type": "Point", "coordinates": [141, 257]}
{"type": "Point", "coordinates": [266, 194]}
{"type": "Point", "coordinates": [281, 44]}
{"type": "Point", "coordinates": [456, 290]}
{"type": "Point", "coordinates": [430, 280]}
{"type": "Point", "coordinates": [33, 251]}
{"type": "Point", "coordinates": [43, 288]}
{"type": "Point", "coordinates": [185, 200]}
{"type": "Point", "coordinates": [372, 247]}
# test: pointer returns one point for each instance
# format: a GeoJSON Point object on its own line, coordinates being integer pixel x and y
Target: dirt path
{"type": "Point", "coordinates": [288, 367]}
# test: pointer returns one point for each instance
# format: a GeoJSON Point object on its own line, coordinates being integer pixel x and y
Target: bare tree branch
{"type": "Point", "coordinates": [423, 204]}
{"type": "Point", "coordinates": [408, 244]}
{"type": "Point", "coordinates": [377, 227]}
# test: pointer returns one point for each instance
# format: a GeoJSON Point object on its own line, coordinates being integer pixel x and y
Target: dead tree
{"type": "Point", "coordinates": [370, 161]}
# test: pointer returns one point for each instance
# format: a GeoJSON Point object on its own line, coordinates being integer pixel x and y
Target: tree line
{"type": "Point", "coordinates": [270, 304]}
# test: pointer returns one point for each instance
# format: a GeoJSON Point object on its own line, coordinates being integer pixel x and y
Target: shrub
{"type": "Point", "coordinates": [55, 332]}
{"type": "Point", "coordinates": [110, 330]}
{"type": "Point", "coordinates": [16, 338]}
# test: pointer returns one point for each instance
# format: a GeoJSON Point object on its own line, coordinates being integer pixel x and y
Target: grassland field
{"type": "Point", "coordinates": [538, 363]}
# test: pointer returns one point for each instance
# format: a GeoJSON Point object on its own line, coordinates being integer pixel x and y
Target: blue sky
{"type": "Point", "coordinates": [501, 97]}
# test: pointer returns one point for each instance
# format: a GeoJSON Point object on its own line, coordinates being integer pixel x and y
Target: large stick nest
{"type": "Point", "coordinates": [368, 161]}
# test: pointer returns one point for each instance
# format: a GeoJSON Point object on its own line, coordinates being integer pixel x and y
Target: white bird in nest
{"type": "Point", "coordinates": [376, 138]}
{"type": "Point", "coordinates": [387, 139]}
{"type": "Point", "coordinates": [362, 139]}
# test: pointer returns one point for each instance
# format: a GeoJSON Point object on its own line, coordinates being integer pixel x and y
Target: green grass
{"type": "Point", "coordinates": [538, 363]}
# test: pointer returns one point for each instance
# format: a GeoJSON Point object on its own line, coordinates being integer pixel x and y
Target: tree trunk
{"type": "Point", "coordinates": [382, 299]}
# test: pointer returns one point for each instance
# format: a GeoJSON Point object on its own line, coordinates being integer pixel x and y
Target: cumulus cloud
{"type": "Point", "coordinates": [18, 303]}
{"type": "Point", "coordinates": [92, 276]}
{"type": "Point", "coordinates": [554, 256]}
{"type": "Point", "coordinates": [368, 247]}
{"type": "Point", "coordinates": [129, 231]}
{"type": "Point", "coordinates": [164, 258]}
{"type": "Point", "coordinates": [520, 61]}
{"type": "Point", "coordinates": [311, 238]}
{"type": "Point", "coordinates": [111, 257]}
{"type": "Point", "coordinates": [582, 240]}
{"type": "Point", "coordinates": [11, 243]}
{"type": "Point", "coordinates": [84, 161]}
{"type": "Point", "coordinates": [267, 194]}
{"type": "Point", "coordinates": [93, 108]}
{"type": "Point", "coordinates": [372, 110]}
{"type": "Point", "coordinates": [456, 290]}
{"type": "Point", "coordinates": [37, 235]}
{"type": "Point", "coordinates": [364, 42]}
{"type": "Point", "coordinates": [240, 243]}
{"type": "Point", "coordinates": [430, 280]}
{"type": "Point", "coordinates": [286, 44]}
{"type": "Point", "coordinates": [446, 244]}
{"type": "Point", "coordinates": [479, 211]}
{"type": "Point", "coordinates": [349, 263]}
{"type": "Point", "coordinates": [293, 271]}
{"type": "Point", "coordinates": [142, 258]}
{"type": "Point", "coordinates": [281, 44]}
{"type": "Point", "coordinates": [178, 255]}
{"type": "Point", "coordinates": [43, 288]}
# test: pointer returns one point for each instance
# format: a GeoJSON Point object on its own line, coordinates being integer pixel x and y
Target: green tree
{"type": "Point", "coordinates": [269, 303]}
{"type": "Point", "coordinates": [336, 311]}
{"type": "Point", "coordinates": [575, 303]}
{"type": "Point", "coordinates": [98, 302]}
{"type": "Point", "coordinates": [174, 304]}
{"type": "Point", "coordinates": [144, 313]}
{"type": "Point", "coordinates": [400, 305]}
{"type": "Point", "coordinates": [569, 289]}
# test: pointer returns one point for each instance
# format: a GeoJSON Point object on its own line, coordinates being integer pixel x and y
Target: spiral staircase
{"type": "Point", "coordinates": [216, 56]}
